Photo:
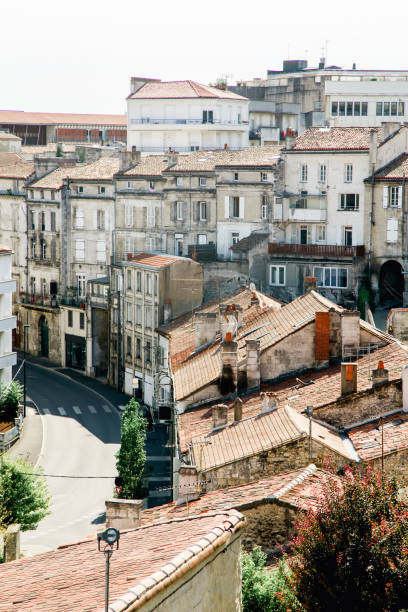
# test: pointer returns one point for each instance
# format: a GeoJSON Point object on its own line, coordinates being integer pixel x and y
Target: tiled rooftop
{"type": "Point", "coordinates": [334, 138]}
{"type": "Point", "coordinates": [397, 169]}
{"type": "Point", "coordinates": [21, 118]}
{"type": "Point", "coordinates": [13, 165]}
{"type": "Point", "coordinates": [150, 165]}
{"type": "Point", "coordinates": [314, 388]}
{"type": "Point", "coordinates": [299, 488]}
{"type": "Point", "coordinates": [8, 136]}
{"type": "Point", "coordinates": [181, 89]}
{"type": "Point", "coordinates": [259, 433]}
{"type": "Point", "coordinates": [101, 170]}
{"type": "Point", "coordinates": [73, 577]}
{"type": "Point", "coordinates": [153, 260]}
{"type": "Point", "coordinates": [208, 161]}
{"type": "Point", "coordinates": [367, 438]}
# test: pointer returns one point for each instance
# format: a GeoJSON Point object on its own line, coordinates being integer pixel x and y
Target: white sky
{"type": "Point", "coordinates": [78, 55]}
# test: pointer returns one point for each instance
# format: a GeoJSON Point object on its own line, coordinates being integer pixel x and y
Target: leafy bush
{"type": "Point", "coordinates": [131, 457]}
{"type": "Point", "coordinates": [351, 553]}
{"type": "Point", "coordinates": [265, 590]}
{"type": "Point", "coordinates": [24, 496]}
{"type": "Point", "coordinates": [59, 151]}
{"type": "Point", "coordinates": [10, 398]}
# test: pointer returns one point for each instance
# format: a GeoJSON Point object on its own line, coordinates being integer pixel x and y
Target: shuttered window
{"type": "Point", "coordinates": [101, 251]}
{"type": "Point", "coordinates": [80, 250]}
{"type": "Point", "coordinates": [392, 230]}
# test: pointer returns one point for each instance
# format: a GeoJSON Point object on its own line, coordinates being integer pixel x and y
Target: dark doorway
{"type": "Point", "coordinates": [303, 235]}
{"type": "Point", "coordinates": [75, 352]}
{"type": "Point", "coordinates": [44, 336]}
{"type": "Point", "coordinates": [391, 283]}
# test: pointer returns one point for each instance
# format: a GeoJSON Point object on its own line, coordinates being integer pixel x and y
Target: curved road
{"type": "Point", "coordinates": [81, 434]}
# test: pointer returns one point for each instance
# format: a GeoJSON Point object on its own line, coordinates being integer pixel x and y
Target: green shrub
{"type": "Point", "coordinates": [131, 457]}
{"type": "Point", "coordinates": [59, 151]}
{"type": "Point", "coordinates": [10, 398]}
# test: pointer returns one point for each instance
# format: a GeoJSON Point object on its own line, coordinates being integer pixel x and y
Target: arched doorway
{"type": "Point", "coordinates": [44, 336]}
{"type": "Point", "coordinates": [391, 283]}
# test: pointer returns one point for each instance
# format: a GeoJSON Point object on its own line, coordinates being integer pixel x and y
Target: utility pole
{"type": "Point", "coordinates": [25, 327]}
{"type": "Point", "coordinates": [309, 412]}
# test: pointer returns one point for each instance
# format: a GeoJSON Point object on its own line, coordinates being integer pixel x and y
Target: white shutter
{"type": "Point", "coordinates": [392, 230]}
{"type": "Point", "coordinates": [95, 219]}
{"type": "Point", "coordinates": [227, 207]}
{"type": "Point", "coordinates": [241, 207]}
{"type": "Point", "coordinates": [101, 251]}
{"type": "Point", "coordinates": [385, 197]}
{"type": "Point", "coordinates": [399, 197]}
{"type": "Point", "coordinates": [107, 228]}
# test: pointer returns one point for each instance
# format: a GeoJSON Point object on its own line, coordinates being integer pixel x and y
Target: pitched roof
{"type": "Point", "coordinates": [149, 558]}
{"type": "Point", "coordinates": [314, 388]}
{"type": "Point", "coordinates": [101, 170]}
{"type": "Point", "coordinates": [181, 89]}
{"type": "Point", "coordinates": [208, 161]}
{"type": "Point", "coordinates": [22, 118]}
{"type": "Point", "coordinates": [247, 243]}
{"type": "Point", "coordinates": [12, 165]}
{"type": "Point", "coordinates": [334, 139]}
{"type": "Point", "coordinates": [300, 488]}
{"type": "Point", "coordinates": [154, 261]}
{"type": "Point", "coordinates": [397, 169]}
{"type": "Point", "coordinates": [8, 136]}
{"type": "Point", "coordinates": [150, 165]}
{"type": "Point", "coordinates": [367, 438]}
{"type": "Point", "coordinates": [260, 433]}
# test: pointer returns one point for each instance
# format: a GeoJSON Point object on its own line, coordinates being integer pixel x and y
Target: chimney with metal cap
{"type": "Point", "coordinates": [348, 378]}
{"type": "Point", "coordinates": [380, 375]}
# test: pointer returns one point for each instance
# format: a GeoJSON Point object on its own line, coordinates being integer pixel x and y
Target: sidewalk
{"type": "Point", "coordinates": [29, 445]}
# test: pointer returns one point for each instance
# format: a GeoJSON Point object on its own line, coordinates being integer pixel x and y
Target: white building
{"type": "Point", "coordinates": [184, 116]}
{"type": "Point", "coordinates": [7, 320]}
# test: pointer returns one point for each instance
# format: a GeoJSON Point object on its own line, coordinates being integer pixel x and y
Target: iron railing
{"type": "Point", "coordinates": [331, 250]}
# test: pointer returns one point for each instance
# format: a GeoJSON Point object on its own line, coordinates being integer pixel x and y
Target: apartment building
{"type": "Point", "coordinates": [146, 291]}
{"type": "Point", "coordinates": [184, 116]}
{"type": "Point", "coordinates": [7, 321]}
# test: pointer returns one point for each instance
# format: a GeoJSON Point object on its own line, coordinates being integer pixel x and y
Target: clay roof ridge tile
{"type": "Point", "coordinates": [308, 471]}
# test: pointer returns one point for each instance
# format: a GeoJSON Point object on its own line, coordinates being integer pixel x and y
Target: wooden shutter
{"type": "Point", "coordinates": [107, 228]}
{"type": "Point", "coordinates": [227, 207]}
{"type": "Point", "coordinates": [241, 207]}
{"type": "Point", "coordinates": [399, 197]}
{"type": "Point", "coordinates": [392, 230]}
{"type": "Point", "coordinates": [385, 197]}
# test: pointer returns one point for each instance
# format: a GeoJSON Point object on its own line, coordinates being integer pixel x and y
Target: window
{"type": "Point", "coordinates": [179, 181]}
{"type": "Point", "coordinates": [202, 181]}
{"type": "Point", "coordinates": [151, 185]}
{"type": "Point", "coordinates": [129, 312]}
{"type": "Point", "coordinates": [100, 219]}
{"type": "Point", "coordinates": [235, 207]}
{"type": "Point", "coordinates": [148, 284]}
{"type": "Point", "coordinates": [348, 236]}
{"type": "Point", "coordinates": [138, 348]}
{"type": "Point", "coordinates": [52, 195]}
{"type": "Point", "coordinates": [53, 221]}
{"type": "Point", "coordinates": [148, 317]}
{"type": "Point", "coordinates": [101, 251]}
{"type": "Point", "coordinates": [236, 176]}
{"type": "Point", "coordinates": [32, 219]}
{"type": "Point", "coordinates": [80, 250]}
{"type": "Point", "coordinates": [342, 109]}
{"type": "Point", "coordinates": [301, 203]}
{"type": "Point", "coordinates": [138, 281]}
{"type": "Point", "coordinates": [69, 318]}
{"type": "Point", "coordinates": [303, 173]}
{"type": "Point", "coordinates": [138, 314]}
{"type": "Point", "coordinates": [81, 285]}
{"type": "Point", "coordinates": [392, 109]}
{"type": "Point", "coordinates": [43, 249]}
{"type": "Point", "coordinates": [101, 190]}
{"type": "Point", "coordinates": [348, 173]}
{"type": "Point", "coordinates": [129, 215]}
{"type": "Point", "coordinates": [53, 287]}
{"type": "Point", "coordinates": [80, 189]}
{"type": "Point", "coordinates": [331, 277]}
{"type": "Point", "coordinates": [148, 352]}
{"type": "Point", "coordinates": [42, 221]}
{"type": "Point", "coordinates": [264, 177]}
{"type": "Point", "coordinates": [203, 211]}
{"type": "Point", "coordinates": [79, 217]}
{"type": "Point", "coordinates": [264, 207]}
{"type": "Point", "coordinates": [357, 109]}
{"type": "Point", "coordinates": [349, 201]}
{"type": "Point", "coordinates": [179, 206]}
{"type": "Point", "coordinates": [156, 282]}
{"type": "Point", "coordinates": [322, 173]}
{"type": "Point", "coordinates": [395, 197]}
{"type": "Point", "coordinates": [349, 108]}
{"type": "Point", "coordinates": [202, 239]}
{"type": "Point", "coordinates": [178, 245]}
{"type": "Point", "coordinates": [378, 108]}
{"type": "Point", "coordinates": [392, 231]}
{"type": "Point", "coordinates": [128, 346]}
{"type": "Point", "coordinates": [277, 275]}
{"type": "Point", "coordinates": [320, 233]}
{"type": "Point", "coordinates": [235, 237]}
{"type": "Point", "coordinates": [31, 194]}
{"type": "Point", "coordinates": [81, 320]}
{"type": "Point", "coordinates": [364, 109]}
{"type": "Point", "coordinates": [32, 285]}
{"type": "Point", "coordinates": [151, 216]}
{"type": "Point", "coordinates": [41, 194]}
{"type": "Point", "coordinates": [129, 279]}
{"type": "Point", "coordinates": [208, 116]}
{"type": "Point", "coordinates": [334, 109]}
{"type": "Point", "coordinates": [43, 287]}
{"type": "Point", "coordinates": [33, 248]}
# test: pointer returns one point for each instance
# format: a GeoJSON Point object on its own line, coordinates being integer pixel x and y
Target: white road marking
{"type": "Point", "coordinates": [106, 408]}
{"type": "Point", "coordinates": [76, 409]}
{"type": "Point", "coordinates": [92, 409]}
{"type": "Point", "coordinates": [61, 410]}
{"type": "Point", "coordinates": [46, 411]}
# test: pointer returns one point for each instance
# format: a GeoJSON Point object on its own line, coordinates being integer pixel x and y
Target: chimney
{"type": "Point", "coordinates": [136, 155]}
{"type": "Point", "coordinates": [354, 66]}
{"type": "Point", "coordinates": [380, 375]}
{"type": "Point", "coordinates": [253, 366]}
{"type": "Point", "coordinates": [12, 543]}
{"type": "Point", "coordinates": [350, 333]}
{"type": "Point", "coordinates": [322, 337]}
{"type": "Point", "coordinates": [188, 486]}
{"type": "Point", "coordinates": [404, 377]}
{"type": "Point", "coordinates": [238, 410]}
{"type": "Point", "coordinates": [123, 513]}
{"type": "Point", "coordinates": [167, 310]}
{"type": "Point", "coordinates": [322, 63]}
{"type": "Point", "coordinates": [290, 142]}
{"type": "Point", "coordinates": [125, 160]}
{"type": "Point", "coordinates": [373, 148]}
{"type": "Point", "coordinates": [230, 319]}
{"type": "Point", "coordinates": [205, 327]}
{"type": "Point", "coordinates": [229, 365]}
{"type": "Point", "coordinates": [348, 378]}
{"type": "Point", "coordinates": [269, 402]}
{"type": "Point", "coordinates": [219, 416]}
{"type": "Point", "coordinates": [309, 283]}
{"type": "Point", "coordinates": [172, 158]}
{"type": "Point", "coordinates": [254, 299]}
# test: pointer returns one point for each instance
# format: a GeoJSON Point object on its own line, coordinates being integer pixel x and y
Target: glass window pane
{"type": "Point", "coordinates": [379, 109]}
{"type": "Point", "coordinates": [327, 277]}
{"type": "Point", "coordinates": [342, 277]}
{"type": "Point", "coordinates": [342, 109]}
{"type": "Point", "coordinates": [364, 107]}
{"type": "Point", "coordinates": [281, 276]}
{"type": "Point", "coordinates": [334, 108]}
{"type": "Point", "coordinates": [273, 276]}
{"type": "Point", "coordinates": [349, 108]}
{"type": "Point", "coordinates": [356, 108]}
{"type": "Point", "coordinates": [333, 277]}
{"type": "Point", "coordinates": [393, 108]}
{"type": "Point", "coordinates": [401, 108]}
{"type": "Point", "coordinates": [319, 276]}
{"type": "Point", "coordinates": [386, 108]}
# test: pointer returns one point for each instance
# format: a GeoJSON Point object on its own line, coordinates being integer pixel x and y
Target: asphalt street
{"type": "Point", "coordinates": [80, 436]}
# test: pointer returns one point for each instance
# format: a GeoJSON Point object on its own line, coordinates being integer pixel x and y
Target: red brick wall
{"type": "Point", "coordinates": [322, 336]}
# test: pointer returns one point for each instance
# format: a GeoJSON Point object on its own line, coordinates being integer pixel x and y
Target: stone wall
{"type": "Point", "coordinates": [33, 315]}
{"type": "Point", "coordinates": [293, 353]}
{"type": "Point", "coordinates": [363, 406]}
{"type": "Point", "coordinates": [275, 461]}
{"type": "Point", "coordinates": [268, 525]}
{"type": "Point", "coordinates": [395, 464]}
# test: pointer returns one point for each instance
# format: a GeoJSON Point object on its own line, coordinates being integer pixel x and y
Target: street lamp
{"type": "Point", "coordinates": [309, 412]}
{"type": "Point", "coordinates": [110, 536]}
{"type": "Point", "coordinates": [25, 327]}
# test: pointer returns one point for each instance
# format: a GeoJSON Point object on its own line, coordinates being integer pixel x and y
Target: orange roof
{"type": "Point", "coordinates": [395, 170]}
{"type": "Point", "coordinates": [13, 165]}
{"type": "Point", "coordinates": [181, 89]}
{"type": "Point", "coordinates": [334, 139]}
{"type": "Point", "coordinates": [8, 136]}
{"type": "Point", "coordinates": [155, 261]}
{"type": "Point", "coordinates": [23, 118]}
{"type": "Point", "coordinates": [73, 577]}
{"type": "Point", "coordinates": [367, 438]}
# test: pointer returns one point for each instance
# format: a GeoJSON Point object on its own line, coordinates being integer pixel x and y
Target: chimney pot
{"type": "Point", "coordinates": [309, 284]}
{"type": "Point", "coordinates": [237, 410]}
{"type": "Point", "coordinates": [228, 337]}
{"type": "Point", "coordinates": [379, 375]}
{"type": "Point", "coordinates": [380, 365]}
{"type": "Point", "coordinates": [219, 416]}
{"type": "Point", "coordinates": [348, 378]}
{"type": "Point", "coordinates": [269, 402]}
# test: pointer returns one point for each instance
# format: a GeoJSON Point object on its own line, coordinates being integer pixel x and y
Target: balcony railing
{"type": "Point", "coordinates": [202, 252]}
{"type": "Point", "coordinates": [163, 149]}
{"type": "Point", "coordinates": [54, 301]}
{"type": "Point", "coordinates": [322, 250]}
{"type": "Point", "coordinates": [161, 121]}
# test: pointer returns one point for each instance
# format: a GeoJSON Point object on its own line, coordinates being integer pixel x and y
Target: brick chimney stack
{"type": "Point", "coordinates": [380, 375]}
{"type": "Point", "coordinates": [309, 284]}
{"type": "Point", "coordinates": [348, 378]}
{"type": "Point", "coordinates": [205, 327]}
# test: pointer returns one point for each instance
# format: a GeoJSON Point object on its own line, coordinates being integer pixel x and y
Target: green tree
{"type": "Point", "coordinates": [351, 552]}
{"type": "Point", "coordinates": [265, 590]}
{"type": "Point", "coordinates": [24, 495]}
{"type": "Point", "coordinates": [59, 151]}
{"type": "Point", "coordinates": [10, 398]}
{"type": "Point", "coordinates": [131, 457]}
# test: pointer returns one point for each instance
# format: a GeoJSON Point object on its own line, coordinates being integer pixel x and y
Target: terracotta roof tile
{"type": "Point", "coordinates": [13, 165]}
{"type": "Point", "coordinates": [8, 136]}
{"type": "Point", "coordinates": [103, 170]}
{"type": "Point", "coordinates": [367, 438]}
{"type": "Point", "coordinates": [149, 165]}
{"type": "Point", "coordinates": [181, 89]}
{"type": "Point", "coordinates": [22, 117]}
{"type": "Point", "coordinates": [334, 138]}
{"type": "Point", "coordinates": [152, 260]}
{"type": "Point", "coordinates": [397, 169]}
{"type": "Point", "coordinates": [208, 161]}
{"type": "Point", "coordinates": [73, 577]}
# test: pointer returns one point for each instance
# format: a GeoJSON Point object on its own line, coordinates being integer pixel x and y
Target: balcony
{"type": "Point", "coordinates": [164, 121]}
{"type": "Point", "coordinates": [7, 323]}
{"type": "Point", "coordinates": [203, 253]}
{"type": "Point", "coordinates": [54, 301]}
{"type": "Point", "coordinates": [316, 250]}
{"type": "Point", "coordinates": [307, 214]}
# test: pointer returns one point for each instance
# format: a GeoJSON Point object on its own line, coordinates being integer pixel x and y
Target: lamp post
{"type": "Point", "coordinates": [309, 412]}
{"type": "Point", "coordinates": [25, 327]}
{"type": "Point", "coordinates": [110, 536]}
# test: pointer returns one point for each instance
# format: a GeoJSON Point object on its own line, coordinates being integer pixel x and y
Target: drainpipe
{"type": "Point", "coordinates": [370, 239]}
